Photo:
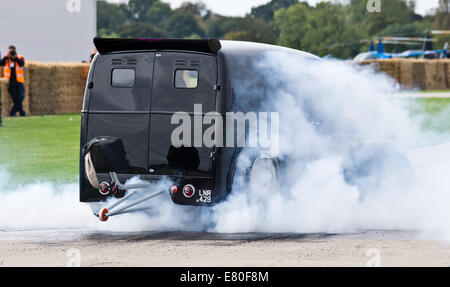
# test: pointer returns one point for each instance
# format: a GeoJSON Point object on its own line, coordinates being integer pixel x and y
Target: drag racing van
{"type": "Point", "coordinates": [133, 90]}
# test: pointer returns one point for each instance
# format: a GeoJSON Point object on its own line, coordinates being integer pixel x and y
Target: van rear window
{"type": "Point", "coordinates": [186, 79]}
{"type": "Point", "coordinates": [122, 78]}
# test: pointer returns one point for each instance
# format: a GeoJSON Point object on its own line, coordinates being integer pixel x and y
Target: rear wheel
{"type": "Point", "coordinates": [264, 174]}
{"type": "Point", "coordinates": [259, 172]}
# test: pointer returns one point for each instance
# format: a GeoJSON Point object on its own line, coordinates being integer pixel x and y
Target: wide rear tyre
{"type": "Point", "coordinates": [258, 173]}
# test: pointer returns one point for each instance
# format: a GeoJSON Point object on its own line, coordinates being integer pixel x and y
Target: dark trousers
{"type": "Point", "coordinates": [17, 92]}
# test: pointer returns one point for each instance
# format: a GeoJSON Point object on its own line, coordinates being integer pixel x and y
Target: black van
{"type": "Point", "coordinates": [133, 89]}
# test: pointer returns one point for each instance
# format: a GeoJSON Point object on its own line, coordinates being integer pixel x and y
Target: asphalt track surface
{"type": "Point", "coordinates": [189, 249]}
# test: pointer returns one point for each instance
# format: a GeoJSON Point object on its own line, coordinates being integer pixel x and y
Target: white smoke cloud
{"type": "Point", "coordinates": [324, 107]}
{"type": "Point", "coordinates": [40, 206]}
{"type": "Point", "coordinates": [352, 104]}
{"type": "Point", "coordinates": [56, 206]}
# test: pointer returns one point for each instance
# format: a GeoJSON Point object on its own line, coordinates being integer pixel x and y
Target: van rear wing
{"type": "Point", "coordinates": [110, 45]}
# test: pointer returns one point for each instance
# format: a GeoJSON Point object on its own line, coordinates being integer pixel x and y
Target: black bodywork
{"type": "Point", "coordinates": [140, 114]}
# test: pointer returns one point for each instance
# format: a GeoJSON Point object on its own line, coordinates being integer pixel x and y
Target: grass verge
{"type": "Point", "coordinates": [44, 148]}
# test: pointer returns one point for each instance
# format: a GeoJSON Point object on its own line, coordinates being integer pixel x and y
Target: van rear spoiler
{"type": "Point", "coordinates": [109, 45]}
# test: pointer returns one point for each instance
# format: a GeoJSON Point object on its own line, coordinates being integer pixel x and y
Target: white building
{"type": "Point", "coordinates": [48, 30]}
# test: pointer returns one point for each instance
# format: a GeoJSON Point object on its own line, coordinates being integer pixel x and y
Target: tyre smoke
{"type": "Point", "coordinates": [331, 113]}
{"type": "Point", "coordinates": [326, 109]}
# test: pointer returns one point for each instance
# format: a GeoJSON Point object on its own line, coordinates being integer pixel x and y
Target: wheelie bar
{"type": "Point", "coordinates": [115, 209]}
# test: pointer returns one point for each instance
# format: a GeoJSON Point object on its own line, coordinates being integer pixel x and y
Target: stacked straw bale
{"type": "Point", "coordinates": [51, 88]}
{"type": "Point", "coordinates": [3, 97]}
{"type": "Point", "coordinates": [435, 76]}
{"type": "Point", "coordinates": [56, 88]}
{"type": "Point", "coordinates": [390, 67]}
{"type": "Point", "coordinates": [416, 73]}
{"type": "Point", "coordinates": [406, 75]}
{"type": "Point", "coordinates": [447, 73]}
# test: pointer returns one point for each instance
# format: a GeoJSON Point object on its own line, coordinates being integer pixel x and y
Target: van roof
{"type": "Point", "coordinates": [210, 45]}
{"type": "Point", "coordinates": [243, 48]}
{"type": "Point", "coordinates": [110, 45]}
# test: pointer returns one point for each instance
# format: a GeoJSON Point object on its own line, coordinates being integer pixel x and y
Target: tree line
{"type": "Point", "coordinates": [329, 28]}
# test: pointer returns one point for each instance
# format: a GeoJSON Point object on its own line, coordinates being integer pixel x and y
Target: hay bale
{"type": "Point", "coordinates": [419, 73]}
{"type": "Point", "coordinates": [391, 67]}
{"type": "Point", "coordinates": [447, 73]}
{"type": "Point", "coordinates": [71, 81]}
{"type": "Point", "coordinates": [406, 74]}
{"type": "Point", "coordinates": [434, 76]}
{"type": "Point", "coordinates": [57, 88]}
{"type": "Point", "coordinates": [51, 88]}
{"type": "Point", "coordinates": [416, 73]}
{"type": "Point", "coordinates": [5, 99]}
{"type": "Point", "coordinates": [41, 88]}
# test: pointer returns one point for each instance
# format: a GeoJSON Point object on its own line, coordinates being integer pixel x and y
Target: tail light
{"type": "Point", "coordinates": [104, 188]}
{"type": "Point", "coordinates": [174, 189]}
{"type": "Point", "coordinates": [188, 190]}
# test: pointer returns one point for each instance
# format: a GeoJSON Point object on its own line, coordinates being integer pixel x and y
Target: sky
{"type": "Point", "coordinates": [241, 7]}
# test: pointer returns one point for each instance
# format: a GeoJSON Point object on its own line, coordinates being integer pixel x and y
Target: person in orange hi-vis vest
{"type": "Point", "coordinates": [13, 70]}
